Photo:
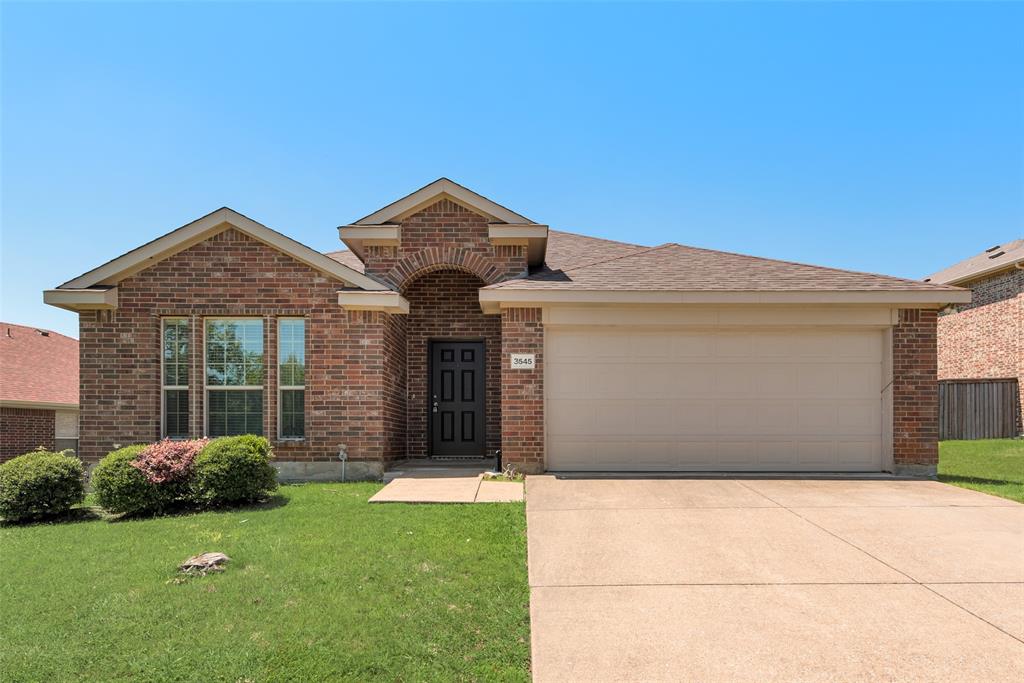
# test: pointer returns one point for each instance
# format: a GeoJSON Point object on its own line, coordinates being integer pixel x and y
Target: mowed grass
{"type": "Point", "coordinates": [322, 586]}
{"type": "Point", "coordinates": [994, 466]}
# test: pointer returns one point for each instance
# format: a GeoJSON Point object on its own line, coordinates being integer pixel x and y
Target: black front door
{"type": "Point", "coordinates": [456, 398]}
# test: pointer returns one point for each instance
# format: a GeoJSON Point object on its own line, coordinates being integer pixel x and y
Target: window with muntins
{"type": "Point", "coordinates": [234, 377]}
{"type": "Point", "coordinates": [174, 384]}
{"type": "Point", "coordinates": [291, 377]}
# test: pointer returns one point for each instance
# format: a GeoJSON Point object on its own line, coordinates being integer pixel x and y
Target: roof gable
{"type": "Point", "coordinates": [442, 188]}
{"type": "Point", "coordinates": [178, 240]}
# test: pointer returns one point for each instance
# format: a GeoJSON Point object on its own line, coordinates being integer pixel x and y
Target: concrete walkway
{"type": "Point", "coordinates": [773, 580]}
{"type": "Point", "coordinates": [426, 484]}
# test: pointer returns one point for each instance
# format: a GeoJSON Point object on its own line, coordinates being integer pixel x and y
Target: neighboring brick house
{"type": "Point", "coordinates": [38, 390]}
{"type": "Point", "coordinates": [983, 339]}
{"type": "Point", "coordinates": [452, 327]}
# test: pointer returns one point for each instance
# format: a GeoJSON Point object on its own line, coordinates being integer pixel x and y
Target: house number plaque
{"type": "Point", "coordinates": [523, 361]}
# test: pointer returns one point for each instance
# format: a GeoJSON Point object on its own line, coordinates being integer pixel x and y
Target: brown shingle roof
{"type": "Point", "coordinates": [347, 258]}
{"type": "Point", "coordinates": [37, 365]}
{"type": "Point", "coordinates": [674, 267]}
{"type": "Point", "coordinates": [995, 258]}
{"type": "Point", "coordinates": [569, 250]}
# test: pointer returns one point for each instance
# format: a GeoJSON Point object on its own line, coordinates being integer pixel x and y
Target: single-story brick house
{"type": "Point", "coordinates": [982, 341]}
{"type": "Point", "coordinates": [452, 327]}
{"type": "Point", "coordinates": [38, 390]}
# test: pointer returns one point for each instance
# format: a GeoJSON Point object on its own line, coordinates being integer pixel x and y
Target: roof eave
{"type": "Point", "coordinates": [492, 300]}
{"type": "Point", "coordinates": [977, 275]}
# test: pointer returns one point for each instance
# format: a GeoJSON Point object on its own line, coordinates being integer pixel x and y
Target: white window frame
{"type": "Point", "coordinates": [290, 387]}
{"type": "Point", "coordinates": [164, 388]}
{"type": "Point", "coordinates": [207, 387]}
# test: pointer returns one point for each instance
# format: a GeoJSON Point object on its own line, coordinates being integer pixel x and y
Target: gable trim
{"type": "Point", "coordinates": [178, 240]}
{"type": "Point", "coordinates": [440, 189]}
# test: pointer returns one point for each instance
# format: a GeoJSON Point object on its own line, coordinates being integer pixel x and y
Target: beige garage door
{"type": "Point", "coordinates": [714, 399]}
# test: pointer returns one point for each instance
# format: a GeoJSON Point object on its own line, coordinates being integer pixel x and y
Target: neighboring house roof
{"type": "Point", "coordinates": [989, 261]}
{"type": "Point", "coordinates": [38, 368]}
{"type": "Point", "coordinates": [674, 267]}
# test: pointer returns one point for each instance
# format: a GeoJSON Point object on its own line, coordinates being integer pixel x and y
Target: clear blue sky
{"type": "Point", "coordinates": [879, 137]}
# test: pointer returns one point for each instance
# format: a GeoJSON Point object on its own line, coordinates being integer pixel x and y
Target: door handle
{"type": "Point", "coordinates": [435, 406]}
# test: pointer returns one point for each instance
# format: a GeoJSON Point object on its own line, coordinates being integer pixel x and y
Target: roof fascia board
{"type": "Point", "coordinates": [36, 405]}
{"type": "Point", "coordinates": [389, 302]}
{"type": "Point", "coordinates": [436, 190]}
{"type": "Point", "coordinates": [205, 227]}
{"type": "Point", "coordinates": [1005, 265]}
{"type": "Point", "coordinates": [98, 299]}
{"type": "Point", "coordinates": [511, 298]}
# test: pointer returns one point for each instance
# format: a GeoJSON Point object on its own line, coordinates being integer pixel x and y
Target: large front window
{"type": "Point", "coordinates": [291, 377]}
{"type": "Point", "coordinates": [234, 377]}
{"type": "Point", "coordinates": [175, 359]}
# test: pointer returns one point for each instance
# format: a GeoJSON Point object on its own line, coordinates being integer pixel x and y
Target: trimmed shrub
{"type": "Point", "coordinates": [233, 469]}
{"type": "Point", "coordinates": [168, 462]}
{"type": "Point", "coordinates": [40, 484]}
{"type": "Point", "coordinates": [121, 487]}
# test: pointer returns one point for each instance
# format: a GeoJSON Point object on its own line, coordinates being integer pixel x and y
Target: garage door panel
{"type": "Point", "coordinates": [736, 399]}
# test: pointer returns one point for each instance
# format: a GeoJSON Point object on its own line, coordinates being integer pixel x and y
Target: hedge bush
{"type": "Point", "coordinates": [232, 470]}
{"type": "Point", "coordinates": [121, 487]}
{"type": "Point", "coordinates": [40, 484]}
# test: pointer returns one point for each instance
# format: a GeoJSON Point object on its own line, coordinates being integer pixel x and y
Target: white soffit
{"type": "Point", "coordinates": [94, 299]}
{"type": "Point", "coordinates": [389, 302]}
{"type": "Point", "coordinates": [492, 300]}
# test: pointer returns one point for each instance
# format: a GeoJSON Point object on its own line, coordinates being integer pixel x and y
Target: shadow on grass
{"type": "Point", "coordinates": [72, 516]}
{"type": "Point", "coordinates": [273, 502]}
{"type": "Point", "coordinates": [959, 479]}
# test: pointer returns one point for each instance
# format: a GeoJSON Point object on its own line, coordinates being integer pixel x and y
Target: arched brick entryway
{"type": "Point", "coordinates": [444, 304]}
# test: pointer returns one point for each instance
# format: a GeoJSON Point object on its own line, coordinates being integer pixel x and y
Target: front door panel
{"type": "Point", "coordinates": [456, 399]}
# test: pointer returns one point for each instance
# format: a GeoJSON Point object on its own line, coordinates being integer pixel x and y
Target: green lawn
{"type": "Point", "coordinates": [994, 466]}
{"type": "Point", "coordinates": [322, 586]}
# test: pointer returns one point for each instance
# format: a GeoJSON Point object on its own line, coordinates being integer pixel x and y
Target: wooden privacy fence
{"type": "Point", "coordinates": [979, 409]}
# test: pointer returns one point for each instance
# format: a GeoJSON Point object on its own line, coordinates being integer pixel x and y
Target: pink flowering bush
{"type": "Point", "coordinates": [168, 462]}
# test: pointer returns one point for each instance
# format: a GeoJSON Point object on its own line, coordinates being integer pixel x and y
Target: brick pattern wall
{"type": "Point", "coordinates": [522, 391]}
{"type": "Point", "coordinates": [395, 399]}
{"type": "Point", "coordinates": [915, 392]}
{"type": "Point", "coordinates": [231, 274]}
{"type": "Point", "coordinates": [445, 234]}
{"type": "Point", "coordinates": [23, 430]}
{"type": "Point", "coordinates": [985, 338]}
{"type": "Point", "coordinates": [445, 305]}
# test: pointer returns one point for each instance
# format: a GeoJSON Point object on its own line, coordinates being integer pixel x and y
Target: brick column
{"type": "Point", "coordinates": [522, 390]}
{"type": "Point", "coordinates": [915, 393]}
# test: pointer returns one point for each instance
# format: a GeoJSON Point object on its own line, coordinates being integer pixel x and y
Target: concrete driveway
{"type": "Point", "coordinates": [767, 579]}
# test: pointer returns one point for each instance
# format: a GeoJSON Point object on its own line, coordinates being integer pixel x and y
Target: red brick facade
{"type": "Point", "coordinates": [522, 397]}
{"type": "Point", "coordinates": [367, 375]}
{"type": "Point", "coordinates": [445, 305]}
{"type": "Point", "coordinates": [23, 430]}
{"type": "Point", "coordinates": [442, 236]}
{"type": "Point", "coordinates": [231, 274]}
{"type": "Point", "coordinates": [985, 338]}
{"type": "Point", "coordinates": [915, 392]}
